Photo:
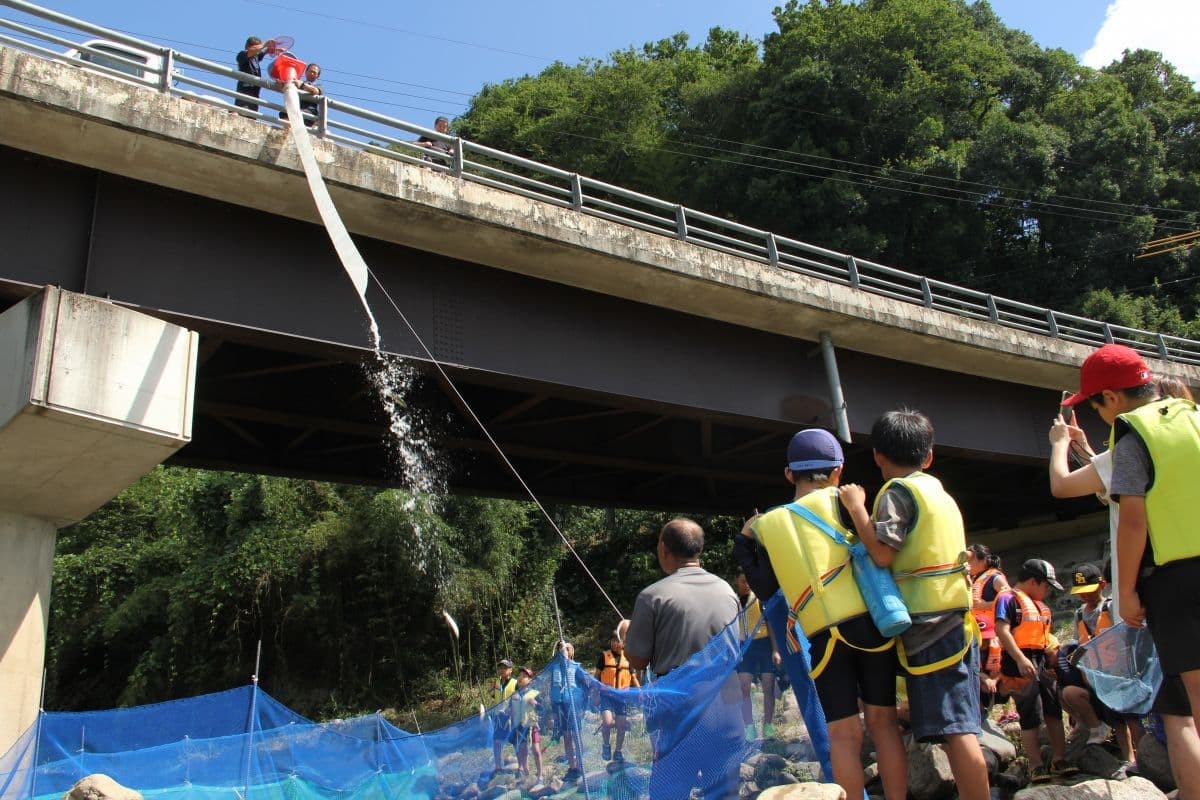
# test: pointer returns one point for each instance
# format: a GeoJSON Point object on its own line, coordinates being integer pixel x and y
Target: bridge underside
{"type": "Point", "coordinates": [595, 399]}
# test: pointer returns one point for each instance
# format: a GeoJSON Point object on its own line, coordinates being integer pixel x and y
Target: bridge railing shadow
{"type": "Point", "coordinates": [367, 130]}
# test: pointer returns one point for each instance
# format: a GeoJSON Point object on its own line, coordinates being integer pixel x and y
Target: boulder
{"type": "Point", "coordinates": [929, 775]}
{"type": "Point", "coordinates": [100, 787]}
{"type": "Point", "coordinates": [1098, 789]}
{"type": "Point", "coordinates": [804, 791]}
{"type": "Point", "coordinates": [996, 740]}
{"type": "Point", "coordinates": [1153, 763]}
{"type": "Point", "coordinates": [768, 768]}
{"type": "Point", "coordinates": [1096, 760]}
{"type": "Point", "coordinates": [1014, 777]}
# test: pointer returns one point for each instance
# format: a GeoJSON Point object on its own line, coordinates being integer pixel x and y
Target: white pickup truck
{"type": "Point", "coordinates": [110, 54]}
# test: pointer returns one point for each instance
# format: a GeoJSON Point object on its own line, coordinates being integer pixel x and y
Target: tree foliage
{"type": "Point", "coordinates": [167, 591]}
{"type": "Point", "coordinates": [921, 133]}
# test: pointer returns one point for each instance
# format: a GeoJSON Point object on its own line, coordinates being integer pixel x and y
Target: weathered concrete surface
{"type": "Point", "coordinates": [62, 112]}
{"type": "Point", "coordinates": [95, 396]}
{"type": "Point", "coordinates": [26, 567]}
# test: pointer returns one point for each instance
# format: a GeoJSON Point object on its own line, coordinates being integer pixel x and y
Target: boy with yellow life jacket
{"type": "Point", "coordinates": [1023, 627]}
{"type": "Point", "coordinates": [501, 689]}
{"type": "Point", "coordinates": [852, 662]}
{"type": "Point", "coordinates": [1155, 461]}
{"type": "Point", "coordinates": [523, 709]}
{"type": "Point", "coordinates": [614, 671]}
{"type": "Point", "coordinates": [916, 530]}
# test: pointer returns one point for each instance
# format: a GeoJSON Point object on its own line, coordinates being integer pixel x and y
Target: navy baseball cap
{"type": "Point", "coordinates": [814, 449]}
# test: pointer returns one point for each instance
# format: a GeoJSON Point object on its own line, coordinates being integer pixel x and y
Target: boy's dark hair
{"type": "Point", "coordinates": [904, 437]}
{"type": "Point", "coordinates": [815, 476]}
{"type": "Point", "coordinates": [1147, 391]}
{"type": "Point", "coordinates": [683, 538]}
{"type": "Point", "coordinates": [251, 41]}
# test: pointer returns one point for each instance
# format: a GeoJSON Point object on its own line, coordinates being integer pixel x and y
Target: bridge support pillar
{"type": "Point", "coordinates": [92, 396]}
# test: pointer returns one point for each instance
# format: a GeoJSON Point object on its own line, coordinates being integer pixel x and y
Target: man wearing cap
{"type": "Point", "coordinates": [852, 661]}
{"type": "Point", "coordinates": [1023, 628]}
{"type": "Point", "coordinates": [502, 689]}
{"type": "Point", "coordinates": [1155, 461]}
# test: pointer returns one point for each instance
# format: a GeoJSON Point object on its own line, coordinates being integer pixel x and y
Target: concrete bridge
{"type": "Point", "coordinates": [615, 366]}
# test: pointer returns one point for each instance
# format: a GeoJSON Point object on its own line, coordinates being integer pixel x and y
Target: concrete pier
{"type": "Point", "coordinates": [94, 396]}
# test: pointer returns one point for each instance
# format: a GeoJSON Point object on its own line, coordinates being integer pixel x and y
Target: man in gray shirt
{"type": "Point", "coordinates": [696, 741]}
{"type": "Point", "coordinates": [674, 618]}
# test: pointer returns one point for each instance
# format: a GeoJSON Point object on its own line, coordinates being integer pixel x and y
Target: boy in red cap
{"type": "Point", "coordinates": [1155, 461]}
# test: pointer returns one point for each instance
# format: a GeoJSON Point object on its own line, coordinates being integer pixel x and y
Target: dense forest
{"type": "Point", "coordinates": [920, 133]}
{"type": "Point", "coordinates": [167, 591]}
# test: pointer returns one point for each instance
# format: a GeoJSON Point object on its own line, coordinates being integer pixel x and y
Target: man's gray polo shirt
{"type": "Point", "coordinates": [674, 618]}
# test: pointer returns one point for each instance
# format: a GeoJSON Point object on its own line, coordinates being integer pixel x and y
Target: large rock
{"type": "Point", "coordinates": [1097, 760]}
{"type": "Point", "coordinates": [805, 791]}
{"type": "Point", "coordinates": [100, 787]}
{"type": "Point", "coordinates": [1099, 789]}
{"type": "Point", "coordinates": [1153, 763]}
{"type": "Point", "coordinates": [929, 775]}
{"type": "Point", "coordinates": [995, 739]}
{"type": "Point", "coordinates": [768, 768]}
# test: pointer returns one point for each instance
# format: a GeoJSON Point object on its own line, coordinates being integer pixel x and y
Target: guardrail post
{"type": "Point", "coordinates": [772, 250]}
{"type": "Point", "coordinates": [852, 270]}
{"type": "Point", "coordinates": [322, 116]}
{"type": "Point", "coordinates": [1108, 334]}
{"type": "Point", "coordinates": [1162, 348]}
{"type": "Point", "coordinates": [457, 168]}
{"type": "Point", "coordinates": [168, 69]}
{"type": "Point", "coordinates": [576, 192]}
{"type": "Point", "coordinates": [926, 293]}
{"type": "Point", "coordinates": [681, 228]}
{"type": "Point", "coordinates": [1052, 323]}
{"type": "Point", "coordinates": [993, 312]}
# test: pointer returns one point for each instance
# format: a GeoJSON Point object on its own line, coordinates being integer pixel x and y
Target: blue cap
{"type": "Point", "coordinates": [813, 450]}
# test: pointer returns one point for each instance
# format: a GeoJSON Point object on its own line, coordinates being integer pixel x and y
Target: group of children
{"type": "Point", "coordinates": [1025, 661]}
{"type": "Point", "coordinates": [516, 720]}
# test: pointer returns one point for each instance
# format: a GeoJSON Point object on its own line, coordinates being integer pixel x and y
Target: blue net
{"type": "Point", "coordinates": [1122, 668]}
{"type": "Point", "coordinates": [685, 737]}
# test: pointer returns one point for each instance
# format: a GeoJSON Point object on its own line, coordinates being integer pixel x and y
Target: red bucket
{"type": "Point", "coordinates": [287, 67]}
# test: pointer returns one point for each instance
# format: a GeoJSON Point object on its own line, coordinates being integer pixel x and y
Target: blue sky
{"type": "Point", "coordinates": [417, 60]}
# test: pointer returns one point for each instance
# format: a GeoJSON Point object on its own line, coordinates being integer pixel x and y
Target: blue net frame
{"type": "Point", "coordinates": [685, 732]}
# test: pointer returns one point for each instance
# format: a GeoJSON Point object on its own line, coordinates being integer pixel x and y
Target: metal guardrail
{"type": "Point", "coordinates": [366, 130]}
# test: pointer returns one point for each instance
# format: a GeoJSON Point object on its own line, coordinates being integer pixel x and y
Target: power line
{"type": "Point", "coordinates": [393, 29]}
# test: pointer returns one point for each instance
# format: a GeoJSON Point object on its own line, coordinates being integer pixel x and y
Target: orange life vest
{"type": "Point", "coordinates": [988, 614]}
{"type": "Point", "coordinates": [616, 673]}
{"type": "Point", "coordinates": [1034, 631]}
{"type": "Point", "coordinates": [1103, 622]}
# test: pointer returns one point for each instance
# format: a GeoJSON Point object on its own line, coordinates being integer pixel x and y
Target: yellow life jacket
{"type": "Point", "coordinates": [749, 618]}
{"type": "Point", "coordinates": [1171, 430]}
{"type": "Point", "coordinates": [813, 570]}
{"type": "Point", "coordinates": [502, 692]}
{"type": "Point", "coordinates": [616, 673]}
{"type": "Point", "coordinates": [1033, 633]}
{"type": "Point", "coordinates": [1103, 622]}
{"type": "Point", "coordinates": [930, 567]}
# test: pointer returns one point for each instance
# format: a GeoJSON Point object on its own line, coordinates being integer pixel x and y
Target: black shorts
{"type": "Point", "coordinates": [1173, 614]}
{"type": "Point", "coordinates": [853, 674]}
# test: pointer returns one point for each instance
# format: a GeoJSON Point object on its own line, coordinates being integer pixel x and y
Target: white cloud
{"type": "Point", "coordinates": [1168, 26]}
